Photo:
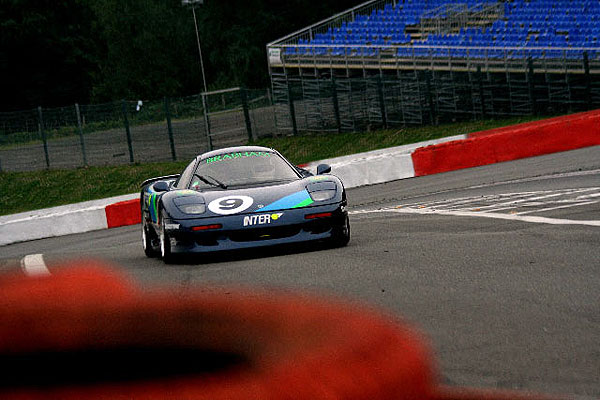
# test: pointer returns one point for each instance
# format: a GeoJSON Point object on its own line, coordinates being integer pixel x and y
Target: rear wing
{"type": "Point", "coordinates": [159, 178]}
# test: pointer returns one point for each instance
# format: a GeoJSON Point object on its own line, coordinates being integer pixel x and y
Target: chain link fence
{"type": "Point", "coordinates": [126, 131]}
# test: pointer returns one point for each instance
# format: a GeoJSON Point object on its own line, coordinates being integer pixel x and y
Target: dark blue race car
{"type": "Point", "coordinates": [241, 197]}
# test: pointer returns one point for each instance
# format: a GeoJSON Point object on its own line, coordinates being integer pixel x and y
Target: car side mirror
{"type": "Point", "coordinates": [323, 169]}
{"type": "Point", "coordinates": [305, 173]}
{"type": "Point", "coordinates": [160, 186]}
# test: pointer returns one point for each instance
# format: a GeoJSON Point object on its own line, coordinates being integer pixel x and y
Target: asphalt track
{"type": "Point", "coordinates": [499, 266]}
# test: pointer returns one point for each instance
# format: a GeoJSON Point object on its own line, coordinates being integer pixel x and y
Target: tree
{"type": "Point", "coordinates": [235, 34]}
{"type": "Point", "coordinates": [57, 53]}
{"type": "Point", "coordinates": [144, 55]}
{"type": "Point", "coordinates": [45, 55]}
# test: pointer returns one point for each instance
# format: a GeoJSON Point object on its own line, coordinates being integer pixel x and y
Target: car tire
{"type": "Point", "coordinates": [149, 243]}
{"type": "Point", "coordinates": [165, 244]}
{"type": "Point", "coordinates": [341, 236]}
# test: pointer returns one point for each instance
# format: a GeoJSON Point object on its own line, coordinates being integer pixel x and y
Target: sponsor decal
{"type": "Point", "coordinates": [261, 219]}
{"type": "Point", "coordinates": [230, 204]}
{"type": "Point", "coordinates": [233, 156]}
{"type": "Point", "coordinates": [275, 56]}
{"type": "Point", "coordinates": [296, 200]}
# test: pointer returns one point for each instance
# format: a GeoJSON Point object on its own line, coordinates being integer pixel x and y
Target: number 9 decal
{"type": "Point", "coordinates": [230, 204]}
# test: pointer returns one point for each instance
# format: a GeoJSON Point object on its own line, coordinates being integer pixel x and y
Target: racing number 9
{"type": "Point", "coordinates": [230, 204]}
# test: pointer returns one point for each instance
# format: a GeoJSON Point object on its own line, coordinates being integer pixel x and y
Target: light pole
{"type": "Point", "coordinates": [193, 4]}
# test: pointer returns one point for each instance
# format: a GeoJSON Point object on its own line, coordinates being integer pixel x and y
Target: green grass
{"type": "Point", "coordinates": [26, 191]}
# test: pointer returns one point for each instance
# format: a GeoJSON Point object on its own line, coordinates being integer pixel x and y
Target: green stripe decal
{"type": "Point", "coordinates": [304, 203]}
{"type": "Point", "coordinates": [153, 207]}
{"type": "Point", "coordinates": [295, 200]}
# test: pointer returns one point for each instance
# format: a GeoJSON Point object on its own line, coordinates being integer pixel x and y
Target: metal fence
{"type": "Point", "coordinates": [133, 131]}
{"type": "Point", "coordinates": [325, 99]}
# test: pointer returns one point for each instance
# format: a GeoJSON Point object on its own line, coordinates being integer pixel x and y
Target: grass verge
{"type": "Point", "coordinates": [26, 191]}
{"type": "Point", "coordinates": [305, 148]}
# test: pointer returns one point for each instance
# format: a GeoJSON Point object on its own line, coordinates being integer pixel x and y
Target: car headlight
{"type": "Point", "coordinates": [192, 208]}
{"type": "Point", "coordinates": [322, 195]}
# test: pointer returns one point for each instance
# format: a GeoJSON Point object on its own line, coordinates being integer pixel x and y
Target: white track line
{"type": "Point", "coordinates": [512, 203]}
{"type": "Point", "coordinates": [538, 178]}
{"type": "Point", "coordinates": [511, 217]}
{"type": "Point", "coordinates": [556, 208]}
{"type": "Point", "coordinates": [34, 265]}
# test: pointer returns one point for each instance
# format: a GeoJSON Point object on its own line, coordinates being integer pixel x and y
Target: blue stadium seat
{"type": "Point", "coordinates": [537, 25]}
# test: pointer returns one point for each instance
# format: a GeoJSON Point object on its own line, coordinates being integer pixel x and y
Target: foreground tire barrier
{"type": "Point", "coordinates": [87, 333]}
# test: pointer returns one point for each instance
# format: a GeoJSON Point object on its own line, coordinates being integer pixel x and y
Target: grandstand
{"type": "Point", "coordinates": [470, 57]}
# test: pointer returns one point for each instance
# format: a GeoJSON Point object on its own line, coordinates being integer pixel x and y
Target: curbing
{"type": "Point", "coordinates": [57, 221]}
{"type": "Point", "coordinates": [123, 213]}
{"type": "Point", "coordinates": [527, 140]}
{"type": "Point", "coordinates": [419, 159]}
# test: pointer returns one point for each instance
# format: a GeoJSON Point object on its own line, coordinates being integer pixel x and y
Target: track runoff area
{"type": "Point", "coordinates": [497, 266]}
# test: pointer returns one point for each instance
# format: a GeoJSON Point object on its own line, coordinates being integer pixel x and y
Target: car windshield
{"type": "Point", "coordinates": [241, 169]}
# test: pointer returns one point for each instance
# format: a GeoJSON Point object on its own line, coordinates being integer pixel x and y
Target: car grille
{"type": "Point", "coordinates": [257, 234]}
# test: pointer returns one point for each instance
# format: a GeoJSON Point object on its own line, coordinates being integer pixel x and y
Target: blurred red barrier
{"type": "Point", "coordinates": [264, 345]}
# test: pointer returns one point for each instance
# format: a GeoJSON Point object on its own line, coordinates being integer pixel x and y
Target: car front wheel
{"type": "Point", "coordinates": [149, 242]}
{"type": "Point", "coordinates": [341, 236]}
{"type": "Point", "coordinates": [165, 244]}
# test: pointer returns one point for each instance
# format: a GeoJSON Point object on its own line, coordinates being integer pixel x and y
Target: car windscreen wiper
{"type": "Point", "coordinates": [212, 182]}
{"type": "Point", "coordinates": [274, 181]}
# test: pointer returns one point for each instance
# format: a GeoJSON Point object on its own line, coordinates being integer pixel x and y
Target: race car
{"type": "Point", "coordinates": [241, 197]}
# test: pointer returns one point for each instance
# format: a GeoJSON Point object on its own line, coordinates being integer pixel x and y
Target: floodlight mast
{"type": "Point", "coordinates": [193, 4]}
